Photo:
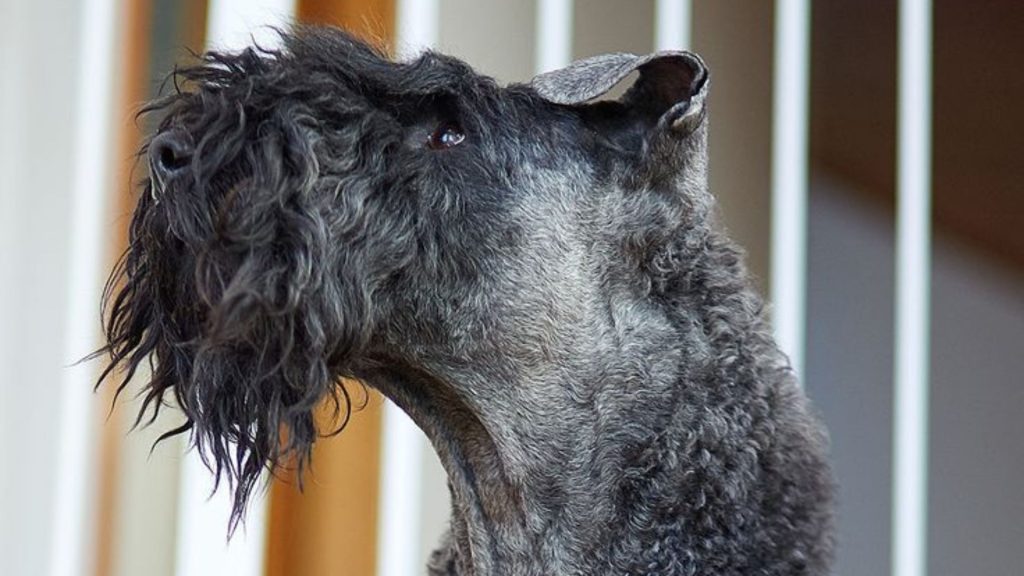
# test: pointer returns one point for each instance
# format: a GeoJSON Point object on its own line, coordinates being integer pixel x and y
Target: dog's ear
{"type": "Point", "coordinates": [672, 85]}
{"type": "Point", "coordinates": [660, 118]}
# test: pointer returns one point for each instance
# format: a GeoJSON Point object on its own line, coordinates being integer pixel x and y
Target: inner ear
{"type": "Point", "coordinates": [664, 83]}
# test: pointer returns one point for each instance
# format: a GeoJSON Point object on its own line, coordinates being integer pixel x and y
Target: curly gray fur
{"type": "Point", "coordinates": [535, 277]}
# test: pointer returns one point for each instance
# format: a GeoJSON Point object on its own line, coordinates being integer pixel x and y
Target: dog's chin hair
{"type": "Point", "coordinates": [250, 394]}
{"type": "Point", "coordinates": [247, 326]}
{"type": "Point", "coordinates": [249, 398]}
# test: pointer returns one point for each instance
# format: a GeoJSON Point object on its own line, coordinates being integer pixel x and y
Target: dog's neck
{"type": "Point", "coordinates": [582, 463]}
{"type": "Point", "coordinates": [546, 495]}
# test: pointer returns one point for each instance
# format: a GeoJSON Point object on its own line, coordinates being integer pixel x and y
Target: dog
{"type": "Point", "coordinates": [532, 273]}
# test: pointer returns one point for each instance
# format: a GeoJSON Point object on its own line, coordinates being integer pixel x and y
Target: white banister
{"type": "Point", "coordinates": [789, 177]}
{"type": "Point", "coordinates": [913, 274]}
{"type": "Point", "coordinates": [554, 35]}
{"type": "Point", "coordinates": [672, 24]}
{"type": "Point", "coordinates": [72, 535]}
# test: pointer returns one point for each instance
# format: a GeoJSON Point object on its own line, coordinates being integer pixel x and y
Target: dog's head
{"type": "Point", "coordinates": [319, 212]}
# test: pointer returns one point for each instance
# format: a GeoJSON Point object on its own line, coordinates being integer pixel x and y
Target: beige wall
{"type": "Point", "coordinates": [735, 38]}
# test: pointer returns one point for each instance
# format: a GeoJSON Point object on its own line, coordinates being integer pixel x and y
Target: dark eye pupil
{"type": "Point", "coordinates": [446, 135]}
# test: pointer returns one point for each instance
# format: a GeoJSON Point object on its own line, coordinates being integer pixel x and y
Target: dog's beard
{"type": "Point", "coordinates": [230, 291]}
{"type": "Point", "coordinates": [245, 353]}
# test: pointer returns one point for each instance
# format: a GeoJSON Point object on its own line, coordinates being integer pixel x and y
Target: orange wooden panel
{"type": "Point", "coordinates": [373, 20]}
{"type": "Point", "coordinates": [329, 528]}
{"type": "Point", "coordinates": [133, 61]}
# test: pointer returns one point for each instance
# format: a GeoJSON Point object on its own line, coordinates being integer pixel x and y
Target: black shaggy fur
{"type": "Point", "coordinates": [535, 277]}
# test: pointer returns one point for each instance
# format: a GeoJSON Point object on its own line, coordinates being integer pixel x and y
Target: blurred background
{"type": "Point", "coordinates": [81, 495]}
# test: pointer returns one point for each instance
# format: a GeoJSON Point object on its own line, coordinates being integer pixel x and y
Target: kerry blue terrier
{"type": "Point", "coordinates": [533, 274]}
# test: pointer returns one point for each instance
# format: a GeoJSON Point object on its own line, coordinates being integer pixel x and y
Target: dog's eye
{"type": "Point", "coordinates": [446, 135]}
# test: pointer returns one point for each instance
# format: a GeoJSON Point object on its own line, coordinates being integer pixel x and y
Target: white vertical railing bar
{"type": "Point", "coordinates": [554, 34]}
{"type": "Point", "coordinates": [672, 24]}
{"type": "Point", "coordinates": [71, 536]}
{"type": "Point", "coordinates": [201, 547]}
{"type": "Point", "coordinates": [913, 273]}
{"type": "Point", "coordinates": [789, 177]}
{"type": "Point", "coordinates": [398, 533]}
{"type": "Point", "coordinates": [417, 26]}
{"type": "Point", "coordinates": [236, 24]}
{"type": "Point", "coordinates": [401, 478]}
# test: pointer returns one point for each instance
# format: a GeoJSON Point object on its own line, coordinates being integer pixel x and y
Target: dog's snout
{"type": "Point", "coordinates": [170, 152]}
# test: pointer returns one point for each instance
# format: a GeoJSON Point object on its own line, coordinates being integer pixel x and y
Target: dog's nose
{"type": "Point", "coordinates": [170, 152]}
